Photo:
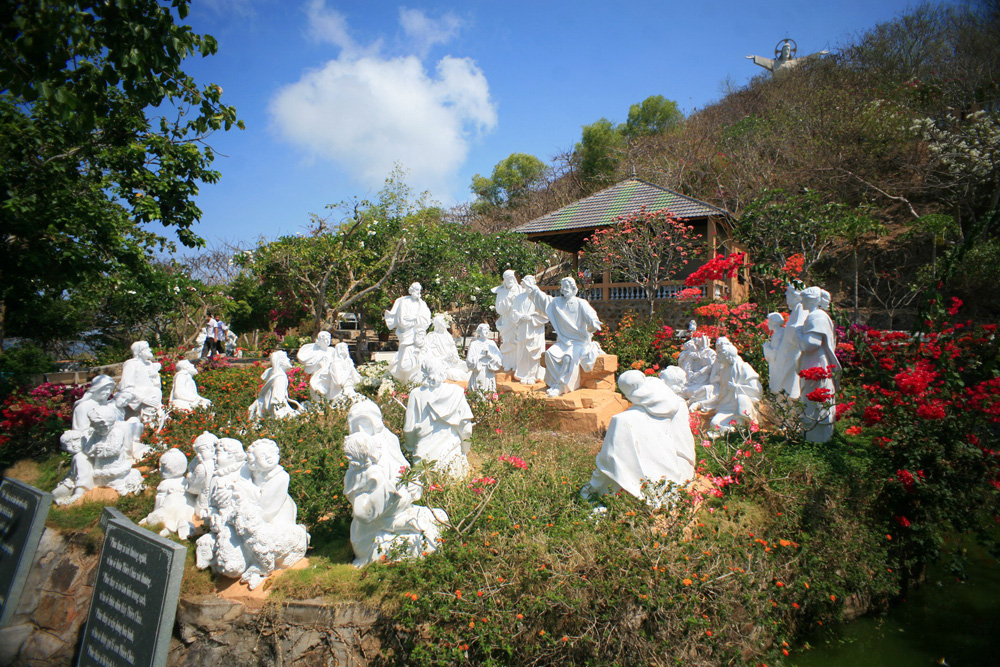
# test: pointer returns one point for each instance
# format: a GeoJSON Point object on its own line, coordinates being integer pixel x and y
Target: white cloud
{"type": "Point", "coordinates": [364, 112]}
{"type": "Point", "coordinates": [425, 32]}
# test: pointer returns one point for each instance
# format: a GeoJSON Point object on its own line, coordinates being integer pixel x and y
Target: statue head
{"type": "Point", "coordinates": [435, 372]}
{"type": "Point", "coordinates": [482, 331]}
{"type": "Point", "coordinates": [630, 381]}
{"type": "Point", "coordinates": [279, 360]}
{"type": "Point", "coordinates": [792, 296]}
{"type": "Point", "coordinates": [342, 350]}
{"type": "Point", "coordinates": [229, 453]}
{"type": "Point", "coordinates": [361, 450]}
{"type": "Point", "coordinates": [140, 350]}
{"type": "Point", "coordinates": [811, 297]}
{"type": "Point", "coordinates": [416, 290]}
{"type": "Point", "coordinates": [786, 50]}
{"type": "Point", "coordinates": [263, 456]}
{"type": "Point", "coordinates": [102, 418]}
{"type": "Point", "coordinates": [675, 378]}
{"type": "Point", "coordinates": [100, 389]}
{"type": "Point", "coordinates": [775, 321]}
{"type": "Point", "coordinates": [824, 300]}
{"type": "Point", "coordinates": [323, 339]}
{"type": "Point", "coordinates": [420, 337]}
{"type": "Point", "coordinates": [509, 278]}
{"type": "Point", "coordinates": [440, 323]}
{"type": "Point", "coordinates": [567, 287]}
{"type": "Point", "coordinates": [528, 281]}
{"type": "Point", "coordinates": [205, 444]}
{"type": "Point", "coordinates": [185, 366]}
{"type": "Point", "coordinates": [173, 463]}
{"type": "Point", "coordinates": [123, 398]}
{"type": "Point", "coordinates": [365, 417]}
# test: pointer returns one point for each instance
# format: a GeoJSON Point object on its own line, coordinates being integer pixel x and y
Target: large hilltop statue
{"type": "Point", "coordinates": [784, 57]}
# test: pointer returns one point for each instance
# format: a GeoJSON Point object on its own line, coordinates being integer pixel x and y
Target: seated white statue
{"type": "Point", "coordinates": [184, 393]}
{"type": "Point", "coordinates": [408, 364]}
{"type": "Point", "coordinates": [484, 360]}
{"type": "Point", "coordinates": [737, 393]}
{"type": "Point", "coordinates": [200, 473]}
{"type": "Point", "coordinates": [271, 479]}
{"type": "Point", "coordinates": [408, 315]}
{"type": "Point", "coordinates": [273, 401]}
{"type": "Point", "coordinates": [438, 422]}
{"type": "Point", "coordinates": [697, 359]}
{"type": "Point", "coordinates": [141, 376]}
{"type": "Point", "coordinates": [386, 522]}
{"type": "Point", "coordinates": [574, 321]}
{"type": "Point", "coordinates": [648, 445]}
{"type": "Point", "coordinates": [817, 342]}
{"type": "Point", "coordinates": [506, 293]}
{"type": "Point", "coordinates": [366, 417]}
{"type": "Point", "coordinates": [441, 345]}
{"type": "Point", "coordinates": [344, 375]}
{"type": "Point", "coordinates": [172, 509]}
{"type": "Point", "coordinates": [98, 394]}
{"type": "Point", "coordinates": [316, 359]}
{"type": "Point", "coordinates": [81, 472]}
{"type": "Point", "coordinates": [221, 548]}
{"type": "Point", "coordinates": [529, 334]}
{"type": "Point", "coordinates": [109, 450]}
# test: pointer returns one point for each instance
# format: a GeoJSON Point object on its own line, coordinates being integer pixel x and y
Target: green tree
{"type": "Point", "coordinates": [101, 133]}
{"type": "Point", "coordinates": [855, 227]}
{"type": "Point", "coordinates": [513, 179]}
{"type": "Point", "coordinates": [599, 152]}
{"type": "Point", "coordinates": [654, 115]}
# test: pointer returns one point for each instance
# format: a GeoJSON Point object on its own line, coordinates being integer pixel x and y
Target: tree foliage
{"type": "Point", "coordinates": [512, 181]}
{"type": "Point", "coordinates": [101, 133]}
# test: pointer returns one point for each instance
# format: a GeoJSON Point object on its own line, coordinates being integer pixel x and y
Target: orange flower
{"type": "Point", "coordinates": [687, 582]}
{"type": "Point", "coordinates": [833, 598]}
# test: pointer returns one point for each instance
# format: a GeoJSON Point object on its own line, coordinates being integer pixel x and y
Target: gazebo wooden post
{"type": "Point", "coordinates": [606, 286]}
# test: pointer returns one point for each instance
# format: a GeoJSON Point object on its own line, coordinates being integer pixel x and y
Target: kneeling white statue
{"type": "Point", "coordinates": [387, 524]}
{"type": "Point", "coordinates": [438, 422]}
{"type": "Point", "coordinates": [738, 391]}
{"type": "Point", "coordinates": [648, 445]}
{"type": "Point", "coordinates": [184, 393]}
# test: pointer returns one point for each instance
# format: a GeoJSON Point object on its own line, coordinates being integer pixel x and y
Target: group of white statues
{"type": "Point", "coordinates": [803, 361]}
{"type": "Point", "coordinates": [522, 313]}
{"type": "Point", "coordinates": [718, 380]}
{"type": "Point", "coordinates": [241, 496]}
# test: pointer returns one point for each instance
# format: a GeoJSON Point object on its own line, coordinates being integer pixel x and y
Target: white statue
{"type": "Point", "coordinates": [184, 393]}
{"type": "Point", "coordinates": [267, 546]}
{"type": "Point", "coordinates": [648, 444]}
{"type": "Point", "coordinates": [141, 376]}
{"type": "Point", "coordinates": [344, 374]}
{"type": "Point", "coordinates": [441, 344]}
{"type": "Point", "coordinates": [529, 334]}
{"type": "Point", "coordinates": [366, 417]}
{"type": "Point", "coordinates": [438, 422]}
{"type": "Point", "coordinates": [81, 472]}
{"type": "Point", "coordinates": [784, 369]}
{"type": "Point", "coordinates": [697, 359]}
{"type": "Point", "coordinates": [737, 392]}
{"type": "Point", "coordinates": [273, 401]}
{"type": "Point", "coordinates": [408, 364]}
{"type": "Point", "coordinates": [109, 450]}
{"type": "Point", "coordinates": [316, 359]}
{"type": "Point", "coordinates": [172, 509]}
{"type": "Point", "coordinates": [817, 341]}
{"type": "Point", "coordinates": [198, 480]}
{"type": "Point", "coordinates": [784, 57]}
{"type": "Point", "coordinates": [575, 322]}
{"type": "Point", "coordinates": [271, 479]}
{"type": "Point", "coordinates": [506, 294]}
{"type": "Point", "coordinates": [98, 394]}
{"type": "Point", "coordinates": [772, 348]}
{"type": "Point", "coordinates": [222, 548]}
{"type": "Point", "coordinates": [408, 315]}
{"type": "Point", "coordinates": [484, 360]}
{"type": "Point", "coordinates": [386, 521]}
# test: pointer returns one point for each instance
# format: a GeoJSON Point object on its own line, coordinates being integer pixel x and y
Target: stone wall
{"type": "Point", "coordinates": [46, 629]}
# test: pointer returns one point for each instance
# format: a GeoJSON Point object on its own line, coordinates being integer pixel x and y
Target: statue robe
{"type": "Point", "coordinates": [437, 421]}
{"type": "Point", "coordinates": [574, 321]}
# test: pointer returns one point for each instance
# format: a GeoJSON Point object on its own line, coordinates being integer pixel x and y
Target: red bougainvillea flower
{"type": "Point", "coordinates": [843, 408]}
{"type": "Point", "coordinates": [816, 373]}
{"type": "Point", "coordinates": [853, 430]}
{"type": "Point", "coordinates": [915, 380]}
{"type": "Point", "coordinates": [956, 303]}
{"type": "Point", "coordinates": [873, 414]}
{"type": "Point", "coordinates": [903, 521]}
{"type": "Point", "coordinates": [821, 395]}
{"type": "Point", "coordinates": [907, 480]}
{"type": "Point", "coordinates": [933, 409]}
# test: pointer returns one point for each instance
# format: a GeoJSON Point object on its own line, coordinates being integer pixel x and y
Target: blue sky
{"type": "Point", "coordinates": [334, 92]}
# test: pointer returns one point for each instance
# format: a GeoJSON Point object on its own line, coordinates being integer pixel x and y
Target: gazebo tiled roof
{"type": "Point", "coordinates": [567, 227]}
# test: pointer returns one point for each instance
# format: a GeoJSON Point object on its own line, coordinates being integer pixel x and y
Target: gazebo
{"type": "Point", "coordinates": [569, 227]}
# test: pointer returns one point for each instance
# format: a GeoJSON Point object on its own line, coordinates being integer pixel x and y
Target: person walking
{"type": "Point", "coordinates": [209, 347]}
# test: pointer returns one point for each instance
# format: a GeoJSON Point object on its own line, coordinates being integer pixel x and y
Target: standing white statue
{"type": "Point", "coordinates": [198, 480]}
{"type": "Point", "coordinates": [529, 334]}
{"type": "Point", "coordinates": [438, 422]}
{"type": "Point", "coordinates": [184, 392]}
{"type": "Point", "coordinates": [408, 315]}
{"type": "Point", "coordinates": [273, 401]}
{"type": "Point", "coordinates": [484, 359]}
{"type": "Point", "coordinates": [441, 345]}
{"type": "Point", "coordinates": [386, 520]}
{"type": "Point", "coordinates": [506, 294]}
{"type": "Point", "coordinates": [817, 341]}
{"type": "Point", "coordinates": [574, 321]}
{"type": "Point", "coordinates": [141, 376]}
{"type": "Point", "coordinates": [316, 359]}
{"type": "Point", "coordinates": [648, 445]}
{"type": "Point", "coordinates": [172, 509]}
{"type": "Point", "coordinates": [738, 390]}
{"type": "Point", "coordinates": [785, 367]}
{"type": "Point", "coordinates": [772, 348]}
{"type": "Point", "coordinates": [784, 57]}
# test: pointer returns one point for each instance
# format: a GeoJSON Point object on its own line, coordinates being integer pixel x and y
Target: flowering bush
{"type": "Point", "coordinates": [717, 268]}
{"type": "Point", "coordinates": [31, 421]}
{"type": "Point", "coordinates": [633, 340]}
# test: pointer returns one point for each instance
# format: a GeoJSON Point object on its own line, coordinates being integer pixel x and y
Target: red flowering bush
{"type": "Point", "coordinates": [32, 421]}
{"type": "Point", "coordinates": [717, 268]}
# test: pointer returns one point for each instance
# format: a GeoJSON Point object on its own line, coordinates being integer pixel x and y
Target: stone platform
{"type": "Point", "coordinates": [586, 410]}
